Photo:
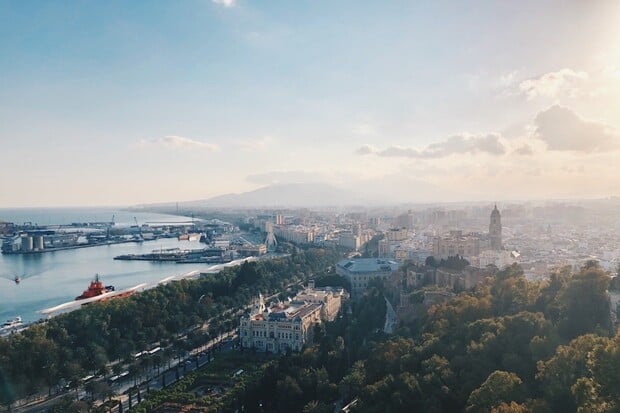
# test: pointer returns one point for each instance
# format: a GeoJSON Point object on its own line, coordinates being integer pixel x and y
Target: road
{"type": "Point", "coordinates": [198, 357]}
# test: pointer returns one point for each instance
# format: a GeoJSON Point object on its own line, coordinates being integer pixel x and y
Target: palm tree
{"type": "Point", "coordinates": [134, 370]}
{"type": "Point", "coordinates": [75, 384]}
{"type": "Point", "coordinates": [110, 394]}
{"type": "Point", "coordinates": [168, 354]}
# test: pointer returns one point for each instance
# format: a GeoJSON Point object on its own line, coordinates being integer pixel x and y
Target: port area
{"type": "Point", "coordinates": [35, 239]}
{"type": "Point", "coordinates": [72, 247]}
{"type": "Point", "coordinates": [185, 256]}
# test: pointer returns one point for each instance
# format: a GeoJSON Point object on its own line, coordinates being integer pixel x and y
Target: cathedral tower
{"type": "Point", "coordinates": [495, 230]}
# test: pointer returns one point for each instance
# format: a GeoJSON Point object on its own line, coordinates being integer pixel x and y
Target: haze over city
{"type": "Point", "coordinates": [309, 206]}
{"type": "Point", "coordinates": [113, 103]}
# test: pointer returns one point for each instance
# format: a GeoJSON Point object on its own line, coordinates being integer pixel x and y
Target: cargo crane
{"type": "Point", "coordinates": [110, 226]}
{"type": "Point", "coordinates": [139, 228]}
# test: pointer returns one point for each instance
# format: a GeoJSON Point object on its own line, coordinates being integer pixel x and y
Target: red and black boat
{"type": "Point", "coordinates": [95, 288]}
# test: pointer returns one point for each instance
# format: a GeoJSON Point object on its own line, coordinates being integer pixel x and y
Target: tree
{"type": "Point", "coordinates": [511, 407]}
{"type": "Point", "coordinates": [587, 397]}
{"type": "Point", "coordinates": [289, 395]}
{"type": "Point", "coordinates": [499, 387]}
{"type": "Point", "coordinates": [569, 363]}
{"type": "Point", "coordinates": [7, 395]}
{"type": "Point", "coordinates": [317, 407]}
{"type": "Point", "coordinates": [431, 261]}
{"type": "Point", "coordinates": [584, 303]}
{"type": "Point", "coordinates": [353, 383]}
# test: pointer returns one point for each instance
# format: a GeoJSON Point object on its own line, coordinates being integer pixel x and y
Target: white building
{"type": "Point", "coordinates": [289, 325]}
{"type": "Point", "coordinates": [350, 241]}
{"type": "Point", "coordinates": [500, 259]}
{"type": "Point", "coordinates": [297, 234]}
{"type": "Point", "coordinates": [330, 298]}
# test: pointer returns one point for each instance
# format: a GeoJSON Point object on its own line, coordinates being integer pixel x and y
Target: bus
{"type": "Point", "coordinates": [116, 378]}
{"type": "Point", "coordinates": [155, 350]}
{"type": "Point", "coordinates": [87, 378]}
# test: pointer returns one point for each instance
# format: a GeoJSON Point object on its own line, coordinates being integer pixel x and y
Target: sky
{"type": "Point", "coordinates": [134, 102]}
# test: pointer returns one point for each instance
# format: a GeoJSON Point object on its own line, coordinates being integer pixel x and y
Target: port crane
{"type": "Point", "coordinates": [110, 226]}
{"type": "Point", "coordinates": [138, 226]}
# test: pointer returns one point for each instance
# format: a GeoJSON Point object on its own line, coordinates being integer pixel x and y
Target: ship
{"type": "Point", "coordinates": [11, 324]}
{"type": "Point", "coordinates": [95, 288]}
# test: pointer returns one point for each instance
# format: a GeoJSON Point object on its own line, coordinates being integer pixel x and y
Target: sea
{"type": "Point", "coordinates": [53, 278]}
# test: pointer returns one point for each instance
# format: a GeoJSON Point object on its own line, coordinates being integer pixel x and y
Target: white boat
{"type": "Point", "coordinates": [11, 324]}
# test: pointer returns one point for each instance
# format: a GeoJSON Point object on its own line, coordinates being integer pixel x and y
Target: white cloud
{"type": "Point", "coordinates": [458, 144]}
{"type": "Point", "coordinates": [553, 84]}
{"type": "Point", "coordinates": [499, 85]}
{"type": "Point", "coordinates": [507, 79]}
{"type": "Point", "coordinates": [225, 3]}
{"type": "Point", "coordinates": [524, 150]}
{"type": "Point", "coordinates": [179, 142]}
{"type": "Point", "coordinates": [366, 149]}
{"type": "Point", "coordinates": [563, 130]}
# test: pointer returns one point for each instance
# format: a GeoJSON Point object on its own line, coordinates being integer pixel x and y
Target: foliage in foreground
{"type": "Point", "coordinates": [508, 346]}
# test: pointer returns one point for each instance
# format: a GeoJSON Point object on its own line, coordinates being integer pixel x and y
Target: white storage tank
{"type": "Point", "coordinates": [27, 243]}
{"type": "Point", "coordinates": [38, 242]}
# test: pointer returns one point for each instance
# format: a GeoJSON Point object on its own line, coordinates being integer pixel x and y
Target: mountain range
{"type": "Point", "coordinates": [287, 195]}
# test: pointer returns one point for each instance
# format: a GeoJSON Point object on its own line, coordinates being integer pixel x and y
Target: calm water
{"type": "Point", "coordinates": [53, 216]}
{"type": "Point", "coordinates": [53, 278]}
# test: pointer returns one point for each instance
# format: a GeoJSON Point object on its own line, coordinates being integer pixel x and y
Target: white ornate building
{"type": "Point", "coordinates": [289, 325]}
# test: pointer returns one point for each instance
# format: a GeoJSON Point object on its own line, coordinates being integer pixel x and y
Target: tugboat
{"type": "Point", "coordinates": [95, 288]}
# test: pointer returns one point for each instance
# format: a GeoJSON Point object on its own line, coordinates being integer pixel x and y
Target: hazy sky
{"type": "Point", "coordinates": [109, 102]}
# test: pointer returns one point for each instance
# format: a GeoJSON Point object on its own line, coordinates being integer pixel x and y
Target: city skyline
{"type": "Point", "coordinates": [143, 102]}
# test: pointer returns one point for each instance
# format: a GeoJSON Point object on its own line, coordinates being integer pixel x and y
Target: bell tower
{"type": "Point", "coordinates": [495, 230]}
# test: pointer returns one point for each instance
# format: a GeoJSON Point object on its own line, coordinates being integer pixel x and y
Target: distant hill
{"type": "Point", "coordinates": [287, 195]}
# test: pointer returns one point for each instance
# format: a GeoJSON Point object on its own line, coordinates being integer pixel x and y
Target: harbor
{"type": "Point", "coordinates": [29, 238]}
{"type": "Point", "coordinates": [32, 282]}
{"type": "Point", "coordinates": [35, 285]}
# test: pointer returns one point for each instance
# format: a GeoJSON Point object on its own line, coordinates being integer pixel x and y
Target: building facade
{"type": "Point", "coordinates": [289, 325]}
{"type": "Point", "coordinates": [359, 272]}
{"type": "Point", "coordinates": [296, 234]}
{"type": "Point", "coordinates": [330, 298]}
{"type": "Point", "coordinates": [472, 244]}
{"type": "Point", "coordinates": [457, 243]}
